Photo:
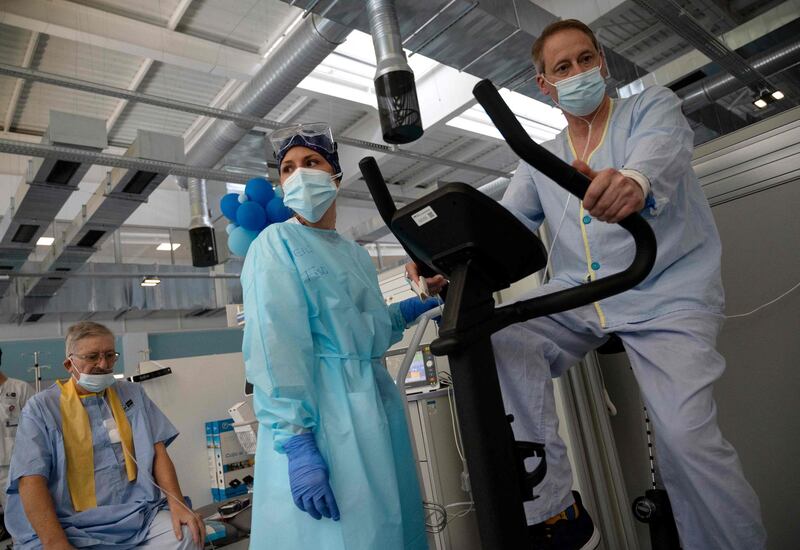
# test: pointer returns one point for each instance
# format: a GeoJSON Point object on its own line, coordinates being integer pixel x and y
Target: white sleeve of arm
{"type": "Point", "coordinates": [639, 178]}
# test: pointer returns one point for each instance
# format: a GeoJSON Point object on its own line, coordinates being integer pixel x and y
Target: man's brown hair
{"type": "Point", "coordinates": [553, 28]}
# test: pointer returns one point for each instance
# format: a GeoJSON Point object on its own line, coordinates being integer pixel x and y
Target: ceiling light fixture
{"type": "Point", "coordinates": [766, 96]}
{"type": "Point", "coordinates": [166, 247]}
{"type": "Point", "coordinates": [150, 280]}
{"type": "Point", "coordinates": [45, 241]}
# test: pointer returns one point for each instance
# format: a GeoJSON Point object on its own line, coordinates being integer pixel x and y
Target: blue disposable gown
{"type": "Point", "coordinates": [316, 327]}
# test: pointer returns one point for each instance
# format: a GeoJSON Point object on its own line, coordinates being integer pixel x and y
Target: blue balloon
{"type": "Point", "coordinates": [230, 227]}
{"type": "Point", "coordinates": [259, 190]}
{"type": "Point", "coordinates": [251, 216]}
{"type": "Point", "coordinates": [229, 204]}
{"type": "Point", "coordinates": [277, 212]}
{"type": "Point", "coordinates": [239, 240]}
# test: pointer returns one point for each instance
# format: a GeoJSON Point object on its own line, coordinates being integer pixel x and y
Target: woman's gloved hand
{"type": "Point", "coordinates": [308, 478]}
{"type": "Point", "coordinates": [411, 308]}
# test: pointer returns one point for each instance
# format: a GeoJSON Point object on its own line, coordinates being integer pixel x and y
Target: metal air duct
{"type": "Point", "coordinates": [398, 106]}
{"type": "Point", "coordinates": [713, 88]}
{"type": "Point", "coordinates": [204, 110]}
{"type": "Point", "coordinates": [115, 199]}
{"type": "Point", "coordinates": [201, 230]}
{"type": "Point", "coordinates": [48, 184]}
{"type": "Point", "coordinates": [298, 55]}
{"type": "Point", "coordinates": [292, 61]}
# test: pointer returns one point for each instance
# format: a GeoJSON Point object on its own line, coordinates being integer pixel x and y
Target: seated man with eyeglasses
{"type": "Point", "coordinates": [90, 457]}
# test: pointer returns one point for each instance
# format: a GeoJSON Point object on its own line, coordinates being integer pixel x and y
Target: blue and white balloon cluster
{"type": "Point", "coordinates": [251, 212]}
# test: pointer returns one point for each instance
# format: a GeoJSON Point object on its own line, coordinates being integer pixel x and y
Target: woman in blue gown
{"type": "Point", "coordinates": [334, 465]}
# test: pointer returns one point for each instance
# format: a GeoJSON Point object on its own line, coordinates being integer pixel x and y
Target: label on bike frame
{"type": "Point", "coordinates": [424, 216]}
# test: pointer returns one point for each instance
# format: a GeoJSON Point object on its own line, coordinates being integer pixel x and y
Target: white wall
{"type": "Point", "coordinates": [199, 390]}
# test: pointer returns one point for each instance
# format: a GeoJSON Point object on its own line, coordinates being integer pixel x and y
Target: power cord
{"type": "Point", "coordinates": [178, 500]}
{"type": "Point", "coordinates": [762, 306]}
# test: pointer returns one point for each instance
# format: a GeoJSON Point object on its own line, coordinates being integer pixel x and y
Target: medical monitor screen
{"type": "Point", "coordinates": [417, 375]}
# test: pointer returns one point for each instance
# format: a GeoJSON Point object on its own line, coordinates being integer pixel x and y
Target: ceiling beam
{"type": "Point", "coordinates": [201, 123]}
{"type": "Point", "coordinates": [425, 177]}
{"type": "Point", "coordinates": [33, 42]}
{"type": "Point", "coordinates": [736, 38]}
{"type": "Point", "coordinates": [587, 12]}
{"type": "Point", "coordinates": [119, 33]}
{"type": "Point", "coordinates": [144, 68]}
{"type": "Point", "coordinates": [135, 82]}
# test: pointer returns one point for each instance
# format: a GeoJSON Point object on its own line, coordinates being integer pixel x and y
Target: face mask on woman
{"type": "Point", "coordinates": [309, 192]}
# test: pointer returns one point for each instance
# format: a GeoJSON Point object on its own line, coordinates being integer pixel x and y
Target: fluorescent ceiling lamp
{"type": "Point", "coordinates": [234, 188]}
{"type": "Point", "coordinates": [777, 94]}
{"type": "Point", "coordinates": [45, 241]}
{"type": "Point", "coordinates": [119, 376]}
{"type": "Point", "coordinates": [165, 247]}
{"type": "Point", "coordinates": [760, 103]}
{"type": "Point", "coordinates": [150, 281]}
{"type": "Point", "coordinates": [142, 237]}
{"type": "Point", "coordinates": [539, 120]}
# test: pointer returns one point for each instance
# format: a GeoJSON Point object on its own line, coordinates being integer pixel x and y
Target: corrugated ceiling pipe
{"type": "Point", "coordinates": [292, 61]}
{"type": "Point", "coordinates": [710, 89]}
{"type": "Point", "coordinates": [298, 55]}
{"type": "Point", "coordinates": [395, 89]}
{"type": "Point", "coordinates": [201, 230]}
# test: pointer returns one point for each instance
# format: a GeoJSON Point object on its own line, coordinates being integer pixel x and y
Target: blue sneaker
{"type": "Point", "coordinates": [571, 529]}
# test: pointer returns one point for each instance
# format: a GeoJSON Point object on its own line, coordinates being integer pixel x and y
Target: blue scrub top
{"type": "Point", "coordinates": [124, 509]}
{"type": "Point", "coordinates": [647, 133]}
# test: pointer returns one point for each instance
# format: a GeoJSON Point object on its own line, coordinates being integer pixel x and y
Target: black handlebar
{"type": "Point", "coordinates": [377, 188]}
{"type": "Point", "coordinates": [520, 142]}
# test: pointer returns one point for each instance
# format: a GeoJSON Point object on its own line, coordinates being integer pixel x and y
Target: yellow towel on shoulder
{"type": "Point", "coordinates": [79, 448]}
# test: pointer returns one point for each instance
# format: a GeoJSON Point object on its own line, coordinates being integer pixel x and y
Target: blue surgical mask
{"type": "Point", "coordinates": [309, 192]}
{"type": "Point", "coordinates": [581, 94]}
{"type": "Point", "coordinates": [95, 383]}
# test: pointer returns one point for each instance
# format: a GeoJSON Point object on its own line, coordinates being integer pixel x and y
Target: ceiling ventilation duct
{"type": "Point", "coordinates": [398, 106]}
{"type": "Point", "coordinates": [201, 230]}
{"type": "Point", "coordinates": [712, 88]}
{"type": "Point", "coordinates": [46, 187]}
{"type": "Point", "coordinates": [289, 64]}
{"type": "Point", "coordinates": [115, 199]}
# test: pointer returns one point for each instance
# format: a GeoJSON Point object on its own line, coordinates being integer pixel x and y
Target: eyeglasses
{"type": "Point", "coordinates": [317, 134]}
{"type": "Point", "coordinates": [94, 358]}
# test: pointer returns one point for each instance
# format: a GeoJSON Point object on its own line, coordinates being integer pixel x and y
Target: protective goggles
{"type": "Point", "coordinates": [315, 135]}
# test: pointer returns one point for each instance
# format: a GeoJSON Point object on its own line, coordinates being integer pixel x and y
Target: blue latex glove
{"type": "Point", "coordinates": [308, 478]}
{"type": "Point", "coordinates": [411, 308]}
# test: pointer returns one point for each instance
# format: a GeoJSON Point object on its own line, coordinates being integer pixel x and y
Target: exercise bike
{"type": "Point", "coordinates": [481, 248]}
